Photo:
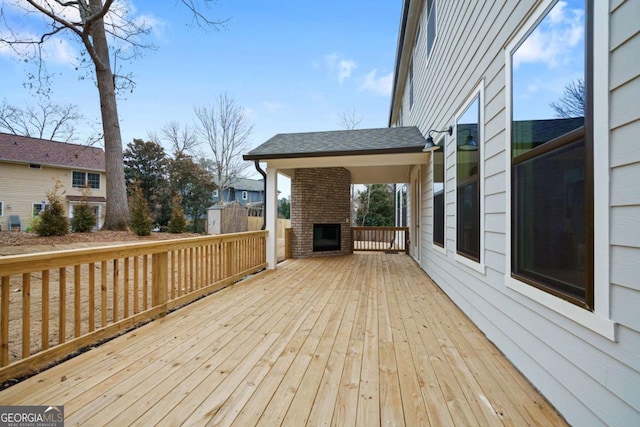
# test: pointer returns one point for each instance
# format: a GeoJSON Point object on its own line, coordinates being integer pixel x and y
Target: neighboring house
{"type": "Point", "coordinates": [530, 223]}
{"type": "Point", "coordinates": [30, 167]}
{"type": "Point", "coordinates": [247, 192]}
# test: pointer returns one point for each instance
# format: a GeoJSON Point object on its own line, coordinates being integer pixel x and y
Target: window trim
{"type": "Point", "coordinates": [442, 143]}
{"type": "Point", "coordinates": [597, 320]}
{"type": "Point", "coordinates": [478, 91]}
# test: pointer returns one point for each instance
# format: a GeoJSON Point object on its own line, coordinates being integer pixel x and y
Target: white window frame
{"type": "Point", "coordinates": [597, 320]}
{"type": "Point", "coordinates": [442, 249]}
{"type": "Point", "coordinates": [478, 91]}
{"type": "Point", "coordinates": [215, 193]}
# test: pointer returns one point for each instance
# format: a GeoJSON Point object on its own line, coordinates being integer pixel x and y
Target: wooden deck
{"type": "Point", "coordinates": [365, 340]}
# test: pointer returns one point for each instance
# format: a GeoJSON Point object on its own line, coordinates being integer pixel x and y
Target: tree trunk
{"type": "Point", "coordinates": [117, 209]}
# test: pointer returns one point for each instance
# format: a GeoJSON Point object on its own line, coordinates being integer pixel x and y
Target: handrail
{"type": "Point", "coordinates": [379, 239]}
{"type": "Point", "coordinates": [99, 292]}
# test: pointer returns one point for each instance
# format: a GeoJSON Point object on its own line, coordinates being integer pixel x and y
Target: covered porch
{"type": "Point", "coordinates": [365, 339]}
{"type": "Point", "coordinates": [322, 167]}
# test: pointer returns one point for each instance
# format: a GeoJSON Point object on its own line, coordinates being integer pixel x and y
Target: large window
{"type": "Point", "coordinates": [468, 180]}
{"type": "Point", "coordinates": [438, 194]}
{"type": "Point", "coordinates": [411, 84]}
{"type": "Point", "coordinates": [85, 179]}
{"type": "Point", "coordinates": [551, 172]}
{"type": "Point", "coordinates": [431, 25]}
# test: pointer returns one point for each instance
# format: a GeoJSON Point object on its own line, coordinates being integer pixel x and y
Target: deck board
{"type": "Point", "coordinates": [365, 339]}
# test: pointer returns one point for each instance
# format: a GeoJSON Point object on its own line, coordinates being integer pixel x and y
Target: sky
{"type": "Point", "coordinates": [294, 66]}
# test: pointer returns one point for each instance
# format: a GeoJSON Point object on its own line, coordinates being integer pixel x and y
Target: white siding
{"type": "Point", "coordinates": [590, 379]}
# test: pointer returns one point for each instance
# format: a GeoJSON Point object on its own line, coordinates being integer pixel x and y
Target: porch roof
{"type": "Point", "coordinates": [372, 156]}
{"type": "Point", "coordinates": [354, 142]}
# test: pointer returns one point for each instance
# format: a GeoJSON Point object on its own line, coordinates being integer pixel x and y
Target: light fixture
{"type": "Point", "coordinates": [430, 145]}
{"type": "Point", "coordinates": [470, 144]}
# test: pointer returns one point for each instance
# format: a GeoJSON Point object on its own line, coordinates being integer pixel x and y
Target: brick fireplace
{"type": "Point", "coordinates": [320, 212]}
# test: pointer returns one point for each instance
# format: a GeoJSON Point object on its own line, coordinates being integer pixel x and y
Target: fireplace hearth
{"type": "Point", "coordinates": [326, 237]}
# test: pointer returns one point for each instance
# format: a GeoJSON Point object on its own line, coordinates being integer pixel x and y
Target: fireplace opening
{"type": "Point", "coordinates": [326, 237]}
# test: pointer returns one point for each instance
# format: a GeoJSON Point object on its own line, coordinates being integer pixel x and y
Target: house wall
{"type": "Point", "coordinates": [320, 196]}
{"type": "Point", "coordinates": [21, 186]}
{"type": "Point", "coordinates": [591, 378]}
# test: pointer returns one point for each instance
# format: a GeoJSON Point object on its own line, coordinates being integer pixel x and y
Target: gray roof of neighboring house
{"type": "Point", "coordinates": [246, 184]}
{"type": "Point", "coordinates": [24, 149]}
{"type": "Point", "coordinates": [340, 143]}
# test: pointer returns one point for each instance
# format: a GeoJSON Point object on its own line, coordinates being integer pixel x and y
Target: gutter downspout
{"type": "Point", "coordinates": [264, 180]}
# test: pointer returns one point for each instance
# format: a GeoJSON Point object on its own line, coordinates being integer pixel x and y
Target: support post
{"type": "Point", "coordinates": [271, 209]}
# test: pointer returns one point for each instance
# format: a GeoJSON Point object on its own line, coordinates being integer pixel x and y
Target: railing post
{"type": "Point", "coordinates": [160, 268]}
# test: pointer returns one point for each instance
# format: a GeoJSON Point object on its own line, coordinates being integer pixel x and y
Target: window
{"type": "Point", "coordinates": [551, 156]}
{"type": "Point", "coordinates": [245, 195]}
{"type": "Point", "coordinates": [215, 193]}
{"type": "Point", "coordinates": [468, 180]}
{"type": "Point", "coordinates": [34, 166]}
{"type": "Point", "coordinates": [36, 208]}
{"type": "Point", "coordinates": [411, 84]}
{"type": "Point", "coordinates": [1, 209]}
{"type": "Point", "coordinates": [431, 25]}
{"type": "Point", "coordinates": [438, 194]}
{"type": "Point", "coordinates": [85, 179]}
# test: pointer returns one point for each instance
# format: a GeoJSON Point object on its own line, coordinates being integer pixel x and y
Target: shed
{"type": "Point", "coordinates": [227, 218]}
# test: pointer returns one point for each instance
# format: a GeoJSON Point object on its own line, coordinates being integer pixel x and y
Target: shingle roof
{"type": "Point", "coordinates": [246, 184]}
{"type": "Point", "coordinates": [340, 143]}
{"type": "Point", "coordinates": [23, 149]}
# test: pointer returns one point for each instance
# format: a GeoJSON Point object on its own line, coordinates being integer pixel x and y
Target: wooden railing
{"type": "Point", "coordinates": [380, 239]}
{"type": "Point", "coordinates": [53, 304]}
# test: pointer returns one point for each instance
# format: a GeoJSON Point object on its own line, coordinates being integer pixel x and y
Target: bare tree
{"type": "Point", "coordinates": [183, 138]}
{"type": "Point", "coordinates": [349, 119]}
{"type": "Point", "coordinates": [44, 120]}
{"type": "Point", "coordinates": [225, 128]}
{"type": "Point", "coordinates": [96, 25]}
{"type": "Point", "coordinates": [572, 102]}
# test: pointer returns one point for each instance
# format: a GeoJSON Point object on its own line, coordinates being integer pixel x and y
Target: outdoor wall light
{"type": "Point", "coordinates": [430, 145]}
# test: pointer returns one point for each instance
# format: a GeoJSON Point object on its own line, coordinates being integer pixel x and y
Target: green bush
{"type": "Point", "coordinates": [53, 221]}
{"type": "Point", "coordinates": [141, 222]}
{"type": "Point", "coordinates": [177, 222]}
{"type": "Point", "coordinates": [83, 219]}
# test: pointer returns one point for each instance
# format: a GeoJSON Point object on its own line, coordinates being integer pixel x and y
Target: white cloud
{"type": "Point", "coordinates": [336, 65]}
{"type": "Point", "coordinates": [381, 85]}
{"type": "Point", "coordinates": [554, 41]}
{"type": "Point", "coordinates": [345, 67]}
{"type": "Point", "coordinates": [272, 106]}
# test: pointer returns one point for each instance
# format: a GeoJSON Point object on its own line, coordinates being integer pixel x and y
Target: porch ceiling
{"type": "Point", "coordinates": [371, 155]}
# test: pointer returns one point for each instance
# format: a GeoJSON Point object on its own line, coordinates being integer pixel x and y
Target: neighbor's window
{"type": "Point", "coordinates": [431, 25]}
{"type": "Point", "coordinates": [215, 193]}
{"type": "Point", "coordinates": [36, 208]}
{"type": "Point", "coordinates": [438, 194]}
{"type": "Point", "coordinates": [82, 179]}
{"type": "Point", "coordinates": [468, 181]}
{"type": "Point", "coordinates": [245, 195]}
{"type": "Point", "coordinates": [552, 173]}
